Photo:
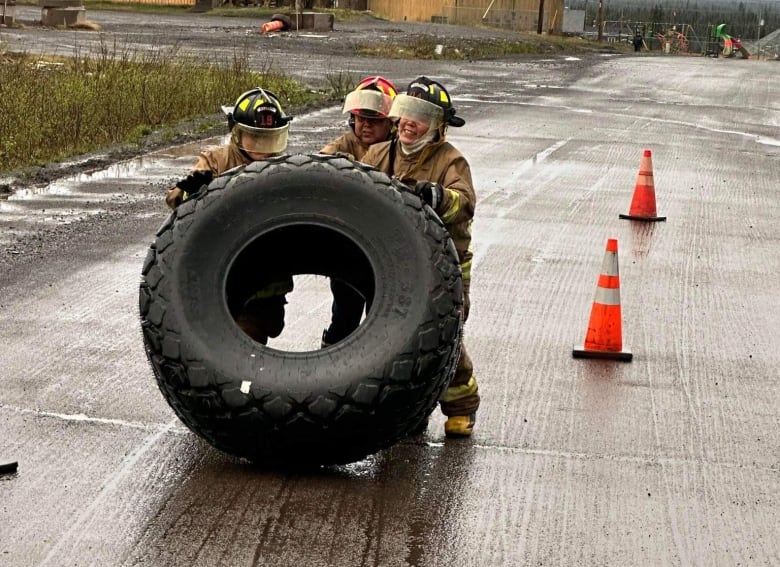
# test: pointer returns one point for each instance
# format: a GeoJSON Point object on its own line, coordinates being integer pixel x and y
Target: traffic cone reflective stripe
{"type": "Point", "coordinates": [643, 202]}
{"type": "Point", "coordinates": [604, 338]}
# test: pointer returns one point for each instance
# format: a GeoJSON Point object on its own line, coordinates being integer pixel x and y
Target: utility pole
{"type": "Point", "coordinates": [585, 21]}
{"type": "Point", "coordinates": [541, 17]}
{"type": "Point", "coordinates": [600, 36]}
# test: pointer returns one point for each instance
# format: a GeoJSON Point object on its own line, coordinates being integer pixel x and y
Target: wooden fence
{"type": "Point", "coordinates": [521, 15]}
{"type": "Point", "coordinates": [286, 4]}
{"type": "Point", "coordinates": [156, 2]}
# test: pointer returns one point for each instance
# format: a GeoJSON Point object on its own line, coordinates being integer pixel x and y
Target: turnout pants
{"type": "Point", "coordinates": [346, 312]}
{"type": "Point", "coordinates": [462, 395]}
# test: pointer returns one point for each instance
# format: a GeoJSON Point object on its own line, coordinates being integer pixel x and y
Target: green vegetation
{"type": "Point", "coordinates": [53, 108]}
{"type": "Point", "coordinates": [340, 83]}
{"type": "Point", "coordinates": [425, 47]}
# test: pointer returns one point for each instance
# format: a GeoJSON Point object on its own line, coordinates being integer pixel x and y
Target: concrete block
{"type": "Point", "coordinates": [314, 21]}
{"type": "Point", "coordinates": [8, 13]}
{"type": "Point", "coordinates": [62, 16]}
{"type": "Point", "coordinates": [205, 5]}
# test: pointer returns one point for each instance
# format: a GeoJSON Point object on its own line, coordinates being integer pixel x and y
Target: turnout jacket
{"type": "Point", "coordinates": [441, 163]}
{"type": "Point", "coordinates": [219, 160]}
{"type": "Point", "coordinates": [347, 143]}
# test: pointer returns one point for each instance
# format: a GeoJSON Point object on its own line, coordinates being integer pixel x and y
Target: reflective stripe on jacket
{"type": "Point", "coordinates": [442, 163]}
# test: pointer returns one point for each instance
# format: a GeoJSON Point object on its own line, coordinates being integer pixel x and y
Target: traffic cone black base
{"type": "Point", "coordinates": [623, 355]}
{"type": "Point", "coordinates": [651, 219]}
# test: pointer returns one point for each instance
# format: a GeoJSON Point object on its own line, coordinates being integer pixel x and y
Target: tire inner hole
{"type": "Point", "coordinates": [318, 263]}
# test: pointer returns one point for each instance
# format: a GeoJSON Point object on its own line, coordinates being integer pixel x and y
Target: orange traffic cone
{"type": "Point", "coordinates": [605, 334]}
{"type": "Point", "coordinates": [643, 203]}
{"type": "Point", "coordinates": [273, 25]}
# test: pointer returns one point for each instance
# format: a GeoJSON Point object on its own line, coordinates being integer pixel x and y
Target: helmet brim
{"type": "Point", "coordinates": [368, 103]}
{"type": "Point", "coordinates": [417, 109]}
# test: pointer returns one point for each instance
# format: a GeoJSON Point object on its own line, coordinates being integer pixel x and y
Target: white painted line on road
{"type": "Point", "coordinates": [534, 161]}
{"type": "Point", "coordinates": [97, 420]}
{"type": "Point", "coordinates": [491, 233]}
{"type": "Point", "coordinates": [75, 534]}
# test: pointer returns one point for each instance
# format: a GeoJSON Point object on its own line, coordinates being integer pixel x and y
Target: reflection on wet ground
{"type": "Point", "coordinates": [79, 196]}
{"type": "Point", "coordinates": [74, 198]}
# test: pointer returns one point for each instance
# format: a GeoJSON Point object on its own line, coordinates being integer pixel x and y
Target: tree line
{"type": "Point", "coordinates": [741, 19]}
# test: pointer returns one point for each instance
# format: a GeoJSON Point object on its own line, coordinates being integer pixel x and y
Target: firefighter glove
{"type": "Point", "coordinates": [431, 193]}
{"type": "Point", "coordinates": [195, 180]}
{"type": "Point", "coordinates": [174, 197]}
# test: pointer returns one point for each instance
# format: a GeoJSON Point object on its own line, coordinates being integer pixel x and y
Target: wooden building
{"type": "Point", "coordinates": [520, 15]}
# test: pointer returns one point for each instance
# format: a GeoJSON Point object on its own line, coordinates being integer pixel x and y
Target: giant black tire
{"type": "Point", "coordinates": [302, 215]}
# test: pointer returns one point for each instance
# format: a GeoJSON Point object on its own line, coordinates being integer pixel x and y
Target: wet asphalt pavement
{"type": "Point", "coordinates": [671, 459]}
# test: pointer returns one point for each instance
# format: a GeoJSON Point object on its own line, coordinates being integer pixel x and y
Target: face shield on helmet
{"type": "Point", "coordinates": [259, 125]}
{"type": "Point", "coordinates": [260, 140]}
{"type": "Point", "coordinates": [372, 98]}
{"type": "Point", "coordinates": [417, 109]}
{"type": "Point", "coordinates": [368, 103]}
{"type": "Point", "coordinates": [433, 92]}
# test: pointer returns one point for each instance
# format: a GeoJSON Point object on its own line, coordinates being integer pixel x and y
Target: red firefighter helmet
{"type": "Point", "coordinates": [372, 98]}
{"type": "Point", "coordinates": [378, 83]}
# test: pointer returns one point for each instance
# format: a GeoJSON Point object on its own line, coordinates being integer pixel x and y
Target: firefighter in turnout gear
{"type": "Point", "coordinates": [258, 130]}
{"type": "Point", "coordinates": [421, 157]}
{"type": "Point", "coordinates": [368, 107]}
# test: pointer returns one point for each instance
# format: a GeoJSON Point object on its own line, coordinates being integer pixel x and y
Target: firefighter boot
{"type": "Point", "coordinates": [460, 425]}
{"type": "Point", "coordinates": [461, 400]}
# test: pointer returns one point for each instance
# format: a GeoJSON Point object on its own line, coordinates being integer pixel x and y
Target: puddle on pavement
{"type": "Point", "coordinates": [79, 196]}
{"type": "Point", "coordinates": [76, 197]}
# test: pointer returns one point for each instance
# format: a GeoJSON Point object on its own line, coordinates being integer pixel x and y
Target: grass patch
{"type": "Point", "coordinates": [340, 83]}
{"type": "Point", "coordinates": [426, 47]}
{"type": "Point", "coordinates": [58, 107]}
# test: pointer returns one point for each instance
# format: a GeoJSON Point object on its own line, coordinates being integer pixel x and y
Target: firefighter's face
{"type": "Point", "coordinates": [409, 131]}
{"type": "Point", "coordinates": [372, 130]}
{"type": "Point", "coordinates": [248, 141]}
